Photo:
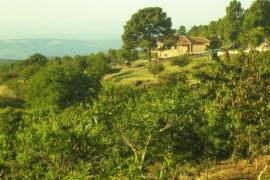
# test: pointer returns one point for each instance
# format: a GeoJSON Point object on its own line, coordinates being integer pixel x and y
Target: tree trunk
{"type": "Point", "coordinates": [130, 55]}
{"type": "Point", "coordinates": [264, 170]}
{"type": "Point", "coordinates": [145, 150]}
{"type": "Point", "coordinates": [2, 174]}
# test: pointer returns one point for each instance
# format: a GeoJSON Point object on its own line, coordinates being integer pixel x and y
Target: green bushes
{"type": "Point", "coordinates": [58, 87]}
{"type": "Point", "coordinates": [180, 61]}
{"type": "Point", "coordinates": [172, 78]}
{"type": "Point", "coordinates": [58, 146]}
{"type": "Point", "coordinates": [239, 99]}
{"type": "Point", "coordinates": [10, 120]}
{"type": "Point", "coordinates": [163, 131]}
{"type": "Point", "coordinates": [10, 102]}
{"type": "Point", "coordinates": [36, 59]}
{"type": "Point", "coordinates": [55, 84]}
{"type": "Point", "coordinates": [119, 135]}
{"type": "Point", "coordinates": [97, 64]}
{"type": "Point", "coordinates": [155, 68]}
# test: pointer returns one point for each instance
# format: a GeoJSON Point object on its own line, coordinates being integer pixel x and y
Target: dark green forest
{"type": "Point", "coordinates": [64, 121]}
{"type": "Point", "coordinates": [239, 27]}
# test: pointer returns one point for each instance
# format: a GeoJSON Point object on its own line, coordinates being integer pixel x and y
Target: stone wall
{"type": "Point", "coordinates": [180, 50]}
{"type": "Point", "coordinates": [183, 49]}
{"type": "Point", "coordinates": [168, 53]}
{"type": "Point", "coordinates": [199, 48]}
{"type": "Point", "coordinates": [173, 52]}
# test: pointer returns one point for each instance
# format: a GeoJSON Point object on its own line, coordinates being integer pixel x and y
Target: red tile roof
{"type": "Point", "coordinates": [185, 40]}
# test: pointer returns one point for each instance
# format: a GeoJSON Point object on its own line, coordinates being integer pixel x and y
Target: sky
{"type": "Point", "coordinates": [96, 19]}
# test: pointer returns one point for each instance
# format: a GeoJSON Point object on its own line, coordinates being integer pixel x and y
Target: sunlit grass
{"type": "Point", "coordinates": [138, 71]}
{"type": "Point", "coordinates": [5, 92]}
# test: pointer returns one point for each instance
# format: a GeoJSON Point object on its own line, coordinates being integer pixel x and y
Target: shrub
{"type": "Point", "coordinates": [56, 88]}
{"type": "Point", "coordinates": [172, 78]}
{"type": "Point", "coordinates": [9, 124]}
{"type": "Point", "coordinates": [180, 61]}
{"type": "Point", "coordinates": [98, 64]}
{"type": "Point", "coordinates": [155, 68]}
{"type": "Point", "coordinates": [35, 59]}
{"type": "Point", "coordinates": [10, 102]}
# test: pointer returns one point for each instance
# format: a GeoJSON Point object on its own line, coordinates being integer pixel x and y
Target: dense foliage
{"type": "Point", "coordinates": [239, 28]}
{"type": "Point", "coordinates": [155, 68]}
{"type": "Point", "coordinates": [144, 27]}
{"type": "Point", "coordinates": [166, 131]}
{"type": "Point", "coordinates": [63, 121]}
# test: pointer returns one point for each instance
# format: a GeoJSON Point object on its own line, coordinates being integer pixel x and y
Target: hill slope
{"type": "Point", "coordinates": [7, 61]}
{"type": "Point", "coordinates": [138, 70]}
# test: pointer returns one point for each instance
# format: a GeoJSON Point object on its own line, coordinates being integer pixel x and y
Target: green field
{"type": "Point", "coordinates": [138, 71]}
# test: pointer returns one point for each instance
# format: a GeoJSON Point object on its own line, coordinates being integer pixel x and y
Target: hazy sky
{"type": "Point", "coordinates": [96, 19]}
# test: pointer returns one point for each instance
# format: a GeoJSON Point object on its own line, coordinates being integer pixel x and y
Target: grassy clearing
{"type": "Point", "coordinates": [5, 91]}
{"type": "Point", "coordinates": [241, 170]}
{"type": "Point", "coordinates": [127, 74]}
{"type": "Point", "coordinates": [138, 71]}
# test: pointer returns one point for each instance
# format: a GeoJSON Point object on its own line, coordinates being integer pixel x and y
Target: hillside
{"type": "Point", "coordinates": [138, 71]}
{"type": "Point", "coordinates": [7, 61]}
{"type": "Point", "coordinates": [227, 170]}
{"type": "Point", "coordinates": [22, 48]}
{"type": "Point", "coordinates": [168, 131]}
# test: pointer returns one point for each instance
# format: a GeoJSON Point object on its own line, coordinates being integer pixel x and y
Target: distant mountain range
{"type": "Point", "coordinates": [22, 48]}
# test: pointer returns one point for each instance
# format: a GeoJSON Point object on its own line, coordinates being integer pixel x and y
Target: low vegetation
{"type": "Point", "coordinates": [155, 68]}
{"type": "Point", "coordinates": [94, 117]}
{"type": "Point", "coordinates": [115, 129]}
